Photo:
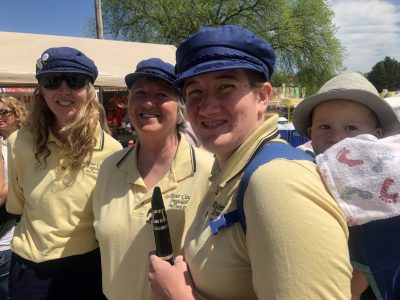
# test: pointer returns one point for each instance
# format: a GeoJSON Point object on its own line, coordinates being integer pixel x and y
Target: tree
{"type": "Point", "coordinates": [280, 78]}
{"type": "Point", "coordinates": [301, 31]}
{"type": "Point", "coordinates": [385, 74]}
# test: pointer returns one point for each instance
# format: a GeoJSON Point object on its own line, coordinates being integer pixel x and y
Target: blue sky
{"type": "Point", "coordinates": [369, 29]}
{"type": "Point", "coordinates": [57, 17]}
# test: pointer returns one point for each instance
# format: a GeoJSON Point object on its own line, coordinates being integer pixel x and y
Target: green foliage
{"type": "Point", "coordinates": [301, 31]}
{"type": "Point", "coordinates": [385, 75]}
{"type": "Point", "coordinates": [279, 78]}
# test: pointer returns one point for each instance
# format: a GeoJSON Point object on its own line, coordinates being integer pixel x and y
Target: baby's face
{"type": "Point", "coordinates": [334, 120]}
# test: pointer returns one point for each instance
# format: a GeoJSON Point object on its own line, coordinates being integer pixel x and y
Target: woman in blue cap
{"type": "Point", "coordinates": [53, 166]}
{"type": "Point", "coordinates": [161, 157]}
{"type": "Point", "coordinates": [295, 246]}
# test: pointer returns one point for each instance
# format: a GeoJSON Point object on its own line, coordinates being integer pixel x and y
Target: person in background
{"type": "Point", "coordinates": [53, 165]}
{"type": "Point", "coordinates": [103, 119]}
{"type": "Point", "coordinates": [12, 117]}
{"type": "Point", "coordinates": [161, 157]}
{"type": "Point", "coordinates": [295, 246]}
{"type": "Point", "coordinates": [347, 106]}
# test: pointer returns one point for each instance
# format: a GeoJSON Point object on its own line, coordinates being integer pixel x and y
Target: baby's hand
{"type": "Point", "coordinates": [359, 284]}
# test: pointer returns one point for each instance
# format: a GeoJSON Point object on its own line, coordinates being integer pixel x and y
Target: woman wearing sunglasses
{"type": "Point", "coordinates": [12, 117]}
{"type": "Point", "coordinates": [53, 165]}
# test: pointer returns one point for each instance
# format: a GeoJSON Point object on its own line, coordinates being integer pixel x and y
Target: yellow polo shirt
{"type": "Point", "coordinates": [296, 241]}
{"type": "Point", "coordinates": [57, 219]}
{"type": "Point", "coordinates": [122, 206]}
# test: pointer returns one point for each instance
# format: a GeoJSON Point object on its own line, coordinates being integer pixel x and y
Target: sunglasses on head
{"type": "Point", "coordinates": [5, 112]}
{"type": "Point", "coordinates": [53, 82]}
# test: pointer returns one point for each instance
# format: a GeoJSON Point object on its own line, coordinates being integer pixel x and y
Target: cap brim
{"type": "Point", "coordinates": [132, 77]}
{"type": "Point", "coordinates": [215, 66]}
{"type": "Point", "coordinates": [64, 71]}
{"type": "Point", "coordinates": [387, 117]}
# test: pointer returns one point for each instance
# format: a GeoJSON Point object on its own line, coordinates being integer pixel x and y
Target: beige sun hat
{"type": "Point", "coordinates": [348, 86]}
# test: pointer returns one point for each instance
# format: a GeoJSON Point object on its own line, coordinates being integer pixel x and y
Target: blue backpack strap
{"type": "Point", "coordinates": [267, 153]}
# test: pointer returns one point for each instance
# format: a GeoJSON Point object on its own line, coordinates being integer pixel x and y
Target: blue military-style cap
{"type": "Point", "coordinates": [223, 48]}
{"type": "Point", "coordinates": [65, 60]}
{"type": "Point", "coordinates": [153, 67]}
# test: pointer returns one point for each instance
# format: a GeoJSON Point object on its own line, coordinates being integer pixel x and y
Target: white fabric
{"type": "Point", "coordinates": [5, 241]}
{"type": "Point", "coordinates": [4, 153]}
{"type": "Point", "coordinates": [306, 147]}
{"type": "Point", "coordinates": [362, 173]}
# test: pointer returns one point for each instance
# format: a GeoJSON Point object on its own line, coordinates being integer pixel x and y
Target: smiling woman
{"type": "Point", "coordinates": [64, 95]}
{"type": "Point", "coordinates": [56, 255]}
{"type": "Point", "coordinates": [162, 157]}
{"type": "Point", "coordinates": [294, 230]}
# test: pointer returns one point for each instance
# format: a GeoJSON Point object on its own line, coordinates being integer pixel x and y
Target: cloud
{"type": "Point", "coordinates": [369, 29]}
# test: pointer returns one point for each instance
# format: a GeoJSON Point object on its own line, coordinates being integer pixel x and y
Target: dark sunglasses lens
{"type": "Point", "coordinates": [54, 82]}
{"type": "Point", "coordinates": [51, 83]}
{"type": "Point", "coordinates": [4, 112]}
{"type": "Point", "coordinates": [75, 82]}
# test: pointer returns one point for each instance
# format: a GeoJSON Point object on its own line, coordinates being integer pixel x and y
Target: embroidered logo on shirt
{"type": "Point", "coordinates": [216, 210]}
{"type": "Point", "coordinates": [92, 168]}
{"type": "Point", "coordinates": [178, 201]}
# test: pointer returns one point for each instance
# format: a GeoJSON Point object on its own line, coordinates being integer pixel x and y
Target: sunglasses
{"type": "Point", "coordinates": [74, 82]}
{"type": "Point", "coordinates": [5, 112]}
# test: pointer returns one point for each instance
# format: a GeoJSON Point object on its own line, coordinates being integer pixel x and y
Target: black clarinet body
{"type": "Point", "coordinates": [160, 227]}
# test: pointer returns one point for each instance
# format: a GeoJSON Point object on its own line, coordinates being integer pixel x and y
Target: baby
{"type": "Point", "coordinates": [345, 107]}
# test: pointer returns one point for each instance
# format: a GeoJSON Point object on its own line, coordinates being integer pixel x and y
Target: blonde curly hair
{"type": "Point", "coordinates": [80, 134]}
{"type": "Point", "coordinates": [17, 107]}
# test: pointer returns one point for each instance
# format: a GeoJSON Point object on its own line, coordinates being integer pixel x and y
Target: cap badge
{"type": "Point", "coordinates": [41, 61]}
{"type": "Point", "coordinates": [45, 56]}
{"type": "Point", "coordinates": [39, 64]}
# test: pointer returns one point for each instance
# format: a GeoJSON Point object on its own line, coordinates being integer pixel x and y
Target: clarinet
{"type": "Point", "coordinates": [160, 227]}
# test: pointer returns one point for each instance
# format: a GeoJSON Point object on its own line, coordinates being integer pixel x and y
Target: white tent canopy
{"type": "Point", "coordinates": [393, 101]}
{"type": "Point", "coordinates": [114, 59]}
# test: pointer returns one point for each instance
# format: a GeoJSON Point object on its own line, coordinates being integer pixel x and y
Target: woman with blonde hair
{"type": "Point", "coordinates": [53, 166]}
{"type": "Point", "coordinates": [12, 117]}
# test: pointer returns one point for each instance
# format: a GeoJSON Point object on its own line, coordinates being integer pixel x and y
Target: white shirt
{"type": "Point", "coordinates": [5, 241]}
